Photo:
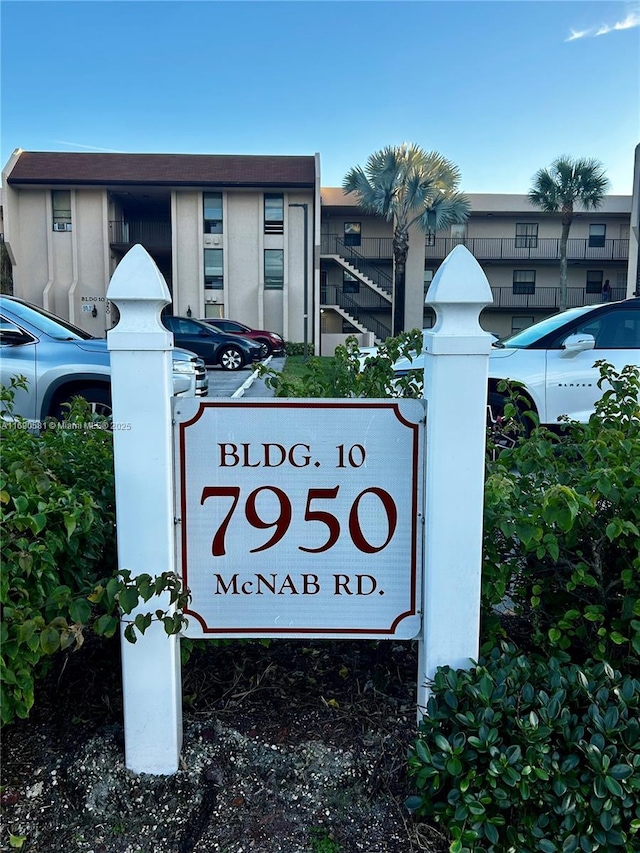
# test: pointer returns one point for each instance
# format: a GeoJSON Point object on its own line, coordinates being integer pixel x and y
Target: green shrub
{"type": "Point", "coordinates": [347, 377]}
{"type": "Point", "coordinates": [59, 572]}
{"type": "Point", "coordinates": [297, 348]}
{"type": "Point", "coordinates": [520, 755]}
{"type": "Point", "coordinates": [562, 532]}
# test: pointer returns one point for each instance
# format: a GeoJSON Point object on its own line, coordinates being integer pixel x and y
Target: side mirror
{"type": "Point", "coordinates": [578, 343]}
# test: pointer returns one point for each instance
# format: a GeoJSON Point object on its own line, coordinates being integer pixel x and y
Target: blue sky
{"type": "Point", "coordinates": [501, 88]}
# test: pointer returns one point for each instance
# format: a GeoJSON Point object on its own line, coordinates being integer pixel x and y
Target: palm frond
{"type": "Point", "coordinates": [404, 181]}
{"type": "Point", "coordinates": [567, 182]}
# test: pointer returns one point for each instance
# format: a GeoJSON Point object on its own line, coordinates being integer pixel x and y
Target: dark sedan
{"type": "Point", "coordinates": [272, 343]}
{"type": "Point", "coordinates": [230, 352]}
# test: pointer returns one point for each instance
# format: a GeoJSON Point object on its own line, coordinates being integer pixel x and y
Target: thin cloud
{"type": "Point", "coordinates": [632, 20]}
{"type": "Point", "coordinates": [86, 147]}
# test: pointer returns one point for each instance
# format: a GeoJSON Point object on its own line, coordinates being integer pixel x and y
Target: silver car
{"type": "Point", "coordinates": [61, 361]}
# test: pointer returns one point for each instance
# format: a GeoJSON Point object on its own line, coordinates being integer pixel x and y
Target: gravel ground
{"type": "Point", "coordinates": [298, 747]}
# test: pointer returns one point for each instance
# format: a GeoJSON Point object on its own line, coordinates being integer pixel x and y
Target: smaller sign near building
{"type": "Point", "coordinates": [300, 518]}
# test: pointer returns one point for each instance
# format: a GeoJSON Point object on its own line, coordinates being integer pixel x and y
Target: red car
{"type": "Point", "coordinates": [272, 344]}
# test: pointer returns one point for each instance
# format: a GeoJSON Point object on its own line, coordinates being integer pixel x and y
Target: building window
{"type": "Point", "coordinates": [524, 282]}
{"type": "Point", "coordinates": [212, 213]}
{"type": "Point", "coordinates": [520, 323]}
{"type": "Point", "coordinates": [430, 238]}
{"type": "Point", "coordinates": [597, 234]}
{"type": "Point", "coordinates": [61, 203]}
{"type": "Point", "coordinates": [350, 284]}
{"type": "Point", "coordinates": [273, 269]}
{"type": "Point", "coordinates": [273, 213]}
{"type": "Point", "coordinates": [213, 269]}
{"type": "Point", "coordinates": [352, 233]}
{"type": "Point", "coordinates": [428, 278]}
{"type": "Point", "coordinates": [594, 281]}
{"type": "Point", "coordinates": [526, 235]}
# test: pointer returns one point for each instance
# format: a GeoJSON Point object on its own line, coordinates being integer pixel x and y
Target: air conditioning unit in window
{"type": "Point", "coordinates": [62, 226]}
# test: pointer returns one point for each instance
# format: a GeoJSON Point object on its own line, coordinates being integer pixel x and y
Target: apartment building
{"type": "Point", "coordinates": [255, 238]}
{"type": "Point", "coordinates": [517, 245]}
{"type": "Point", "coordinates": [227, 232]}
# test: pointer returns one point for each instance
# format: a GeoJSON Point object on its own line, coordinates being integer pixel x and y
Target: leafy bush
{"type": "Point", "coordinates": [520, 755]}
{"type": "Point", "coordinates": [59, 571]}
{"type": "Point", "coordinates": [562, 531]}
{"type": "Point", "coordinates": [297, 348]}
{"type": "Point", "coordinates": [347, 377]}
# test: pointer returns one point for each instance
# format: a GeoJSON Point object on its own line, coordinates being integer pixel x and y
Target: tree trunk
{"type": "Point", "coordinates": [400, 251]}
{"type": "Point", "coordinates": [567, 218]}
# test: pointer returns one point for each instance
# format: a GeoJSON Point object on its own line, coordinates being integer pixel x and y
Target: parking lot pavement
{"type": "Point", "coordinates": [240, 383]}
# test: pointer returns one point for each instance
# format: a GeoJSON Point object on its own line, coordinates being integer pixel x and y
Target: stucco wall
{"type": "Point", "coordinates": [187, 253]}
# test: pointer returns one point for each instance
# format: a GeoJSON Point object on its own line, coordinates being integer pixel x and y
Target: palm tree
{"type": "Point", "coordinates": [407, 185]}
{"type": "Point", "coordinates": [564, 184]}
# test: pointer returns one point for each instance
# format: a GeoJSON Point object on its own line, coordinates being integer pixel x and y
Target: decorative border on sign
{"type": "Point", "coordinates": [335, 632]}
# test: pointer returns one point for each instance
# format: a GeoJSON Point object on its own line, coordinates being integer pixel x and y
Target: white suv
{"type": "Point", "coordinates": [554, 359]}
{"type": "Point", "coordinates": [61, 361]}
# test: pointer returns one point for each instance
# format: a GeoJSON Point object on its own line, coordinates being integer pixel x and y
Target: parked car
{"type": "Point", "coordinates": [230, 352]}
{"type": "Point", "coordinates": [272, 344]}
{"type": "Point", "coordinates": [61, 361]}
{"type": "Point", "coordinates": [554, 359]}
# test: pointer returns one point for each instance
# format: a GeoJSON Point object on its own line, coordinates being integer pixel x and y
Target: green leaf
{"type": "Point", "coordinates": [38, 522]}
{"type": "Point", "coordinates": [70, 524]}
{"type": "Point", "coordinates": [613, 785]}
{"type": "Point", "coordinates": [621, 771]}
{"type": "Point", "coordinates": [454, 766]}
{"type": "Point", "coordinates": [49, 640]}
{"type": "Point", "coordinates": [128, 599]}
{"type": "Point", "coordinates": [442, 743]}
{"type": "Point", "coordinates": [413, 803]}
{"type": "Point", "coordinates": [106, 625]}
{"type": "Point", "coordinates": [80, 611]}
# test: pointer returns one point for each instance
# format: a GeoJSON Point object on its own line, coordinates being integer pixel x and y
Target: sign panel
{"type": "Point", "coordinates": [300, 518]}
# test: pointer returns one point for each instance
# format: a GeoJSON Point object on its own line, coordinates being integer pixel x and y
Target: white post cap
{"type": "Point", "coordinates": [458, 293]}
{"type": "Point", "coordinates": [140, 292]}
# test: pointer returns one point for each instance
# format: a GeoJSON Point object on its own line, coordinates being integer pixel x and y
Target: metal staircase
{"type": "Point", "coordinates": [377, 295]}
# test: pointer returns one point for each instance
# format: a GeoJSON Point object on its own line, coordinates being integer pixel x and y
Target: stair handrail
{"type": "Point", "coordinates": [371, 271]}
{"type": "Point", "coordinates": [343, 300]}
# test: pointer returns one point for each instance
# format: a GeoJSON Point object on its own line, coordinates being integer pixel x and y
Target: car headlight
{"type": "Point", "coordinates": [184, 367]}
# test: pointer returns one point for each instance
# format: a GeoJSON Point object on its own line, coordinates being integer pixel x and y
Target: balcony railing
{"type": "Point", "coordinates": [540, 249]}
{"type": "Point", "coordinates": [373, 248]}
{"type": "Point", "coordinates": [546, 298]}
{"type": "Point", "coordinates": [150, 234]}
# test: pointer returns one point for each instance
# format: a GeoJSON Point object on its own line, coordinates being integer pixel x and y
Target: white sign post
{"type": "Point", "coordinates": [141, 389]}
{"type": "Point", "coordinates": [455, 387]}
{"type": "Point", "coordinates": [298, 518]}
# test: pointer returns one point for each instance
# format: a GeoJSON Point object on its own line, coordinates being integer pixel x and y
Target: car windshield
{"type": "Point", "coordinates": [53, 326]}
{"type": "Point", "coordinates": [531, 334]}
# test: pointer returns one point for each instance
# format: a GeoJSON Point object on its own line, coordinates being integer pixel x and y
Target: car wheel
{"type": "Point", "coordinates": [266, 347]}
{"type": "Point", "coordinates": [503, 433]}
{"type": "Point", "coordinates": [99, 400]}
{"type": "Point", "coordinates": [231, 358]}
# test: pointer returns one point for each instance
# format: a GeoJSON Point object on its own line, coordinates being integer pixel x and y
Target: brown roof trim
{"type": "Point", "coordinates": [88, 169]}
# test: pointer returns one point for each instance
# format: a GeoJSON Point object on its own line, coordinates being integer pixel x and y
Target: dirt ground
{"type": "Point", "coordinates": [298, 747]}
